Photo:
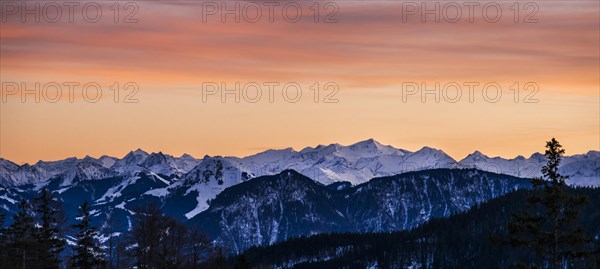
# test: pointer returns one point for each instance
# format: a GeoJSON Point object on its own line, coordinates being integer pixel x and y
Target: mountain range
{"type": "Point", "coordinates": [355, 163]}
{"type": "Point", "coordinates": [269, 209]}
{"type": "Point", "coordinates": [278, 194]}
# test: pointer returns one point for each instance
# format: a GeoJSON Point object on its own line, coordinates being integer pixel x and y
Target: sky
{"type": "Point", "coordinates": [167, 74]}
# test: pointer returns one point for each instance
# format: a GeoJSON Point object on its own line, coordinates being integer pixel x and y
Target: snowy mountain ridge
{"type": "Point", "coordinates": [327, 164]}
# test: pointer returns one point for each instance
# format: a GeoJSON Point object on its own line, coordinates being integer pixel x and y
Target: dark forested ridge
{"type": "Point", "coordinates": [460, 241]}
{"type": "Point", "coordinates": [270, 209]}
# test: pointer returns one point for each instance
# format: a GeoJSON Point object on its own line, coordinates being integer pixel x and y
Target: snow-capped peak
{"type": "Point", "coordinates": [139, 151]}
{"type": "Point", "coordinates": [85, 170]}
{"type": "Point", "coordinates": [371, 146]}
{"type": "Point", "coordinates": [430, 152]}
{"type": "Point", "coordinates": [131, 162]}
{"type": "Point", "coordinates": [155, 158]}
{"type": "Point", "coordinates": [476, 156]}
{"type": "Point", "coordinates": [429, 158]}
{"type": "Point", "coordinates": [186, 156]}
{"type": "Point", "coordinates": [538, 156]}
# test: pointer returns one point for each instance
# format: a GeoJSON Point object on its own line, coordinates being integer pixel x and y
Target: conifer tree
{"type": "Point", "coordinates": [87, 251]}
{"type": "Point", "coordinates": [49, 237]}
{"type": "Point", "coordinates": [20, 237]}
{"type": "Point", "coordinates": [548, 226]}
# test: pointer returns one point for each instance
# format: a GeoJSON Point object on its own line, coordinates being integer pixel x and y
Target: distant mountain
{"type": "Point", "coordinates": [270, 209]}
{"type": "Point", "coordinates": [583, 169]}
{"type": "Point", "coordinates": [82, 171]}
{"type": "Point", "coordinates": [327, 164]}
{"type": "Point", "coordinates": [131, 162]}
{"type": "Point", "coordinates": [367, 159]}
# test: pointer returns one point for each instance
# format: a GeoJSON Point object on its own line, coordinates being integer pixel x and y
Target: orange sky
{"type": "Point", "coordinates": [370, 53]}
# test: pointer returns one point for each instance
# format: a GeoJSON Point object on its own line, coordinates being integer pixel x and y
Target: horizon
{"type": "Point", "coordinates": [293, 149]}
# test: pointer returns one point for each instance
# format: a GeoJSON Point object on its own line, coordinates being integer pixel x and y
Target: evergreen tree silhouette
{"type": "Point", "coordinates": [87, 251]}
{"type": "Point", "coordinates": [20, 235]}
{"type": "Point", "coordinates": [50, 240]}
{"type": "Point", "coordinates": [548, 225]}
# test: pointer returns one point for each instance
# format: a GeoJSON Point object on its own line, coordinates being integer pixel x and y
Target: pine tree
{"type": "Point", "coordinates": [20, 238]}
{"type": "Point", "coordinates": [87, 251]}
{"type": "Point", "coordinates": [547, 227]}
{"type": "Point", "coordinates": [49, 237]}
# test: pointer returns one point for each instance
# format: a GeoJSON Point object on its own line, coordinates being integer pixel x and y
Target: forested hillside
{"type": "Point", "coordinates": [461, 241]}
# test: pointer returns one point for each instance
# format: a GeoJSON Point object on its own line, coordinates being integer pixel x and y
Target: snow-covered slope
{"type": "Point", "coordinates": [7, 170]}
{"type": "Point", "coordinates": [204, 182]}
{"type": "Point", "coordinates": [84, 171]}
{"type": "Point", "coordinates": [162, 164]}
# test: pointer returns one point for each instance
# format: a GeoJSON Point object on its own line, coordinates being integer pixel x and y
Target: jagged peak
{"type": "Point", "coordinates": [70, 159]}
{"type": "Point", "coordinates": [321, 147]}
{"type": "Point", "coordinates": [158, 154]}
{"type": "Point", "coordinates": [367, 143]}
{"type": "Point", "coordinates": [538, 156]}
{"type": "Point", "coordinates": [428, 152]}
{"type": "Point", "coordinates": [270, 151]}
{"type": "Point", "coordinates": [427, 149]}
{"type": "Point", "coordinates": [156, 157]}
{"type": "Point", "coordinates": [88, 158]}
{"type": "Point", "coordinates": [519, 157]}
{"type": "Point", "coordinates": [478, 153]}
{"type": "Point", "coordinates": [187, 156]}
{"type": "Point", "coordinates": [139, 151]}
{"type": "Point", "coordinates": [2, 160]}
{"type": "Point", "coordinates": [307, 149]}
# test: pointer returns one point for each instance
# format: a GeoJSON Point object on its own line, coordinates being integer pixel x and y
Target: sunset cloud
{"type": "Point", "coordinates": [369, 53]}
